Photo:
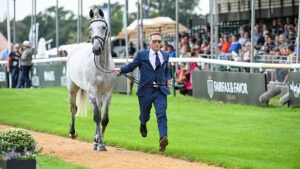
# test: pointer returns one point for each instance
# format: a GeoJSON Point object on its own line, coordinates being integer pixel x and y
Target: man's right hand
{"type": "Point", "coordinates": [117, 70]}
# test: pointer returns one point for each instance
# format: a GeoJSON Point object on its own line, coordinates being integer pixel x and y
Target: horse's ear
{"type": "Point", "coordinates": [91, 13]}
{"type": "Point", "coordinates": [101, 13]}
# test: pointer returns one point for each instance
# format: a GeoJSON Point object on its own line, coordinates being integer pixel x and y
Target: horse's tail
{"type": "Point", "coordinates": [81, 102]}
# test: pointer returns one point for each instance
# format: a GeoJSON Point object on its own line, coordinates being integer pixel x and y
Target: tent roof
{"type": "Point", "coordinates": [158, 21]}
{"type": "Point", "coordinates": [164, 25]}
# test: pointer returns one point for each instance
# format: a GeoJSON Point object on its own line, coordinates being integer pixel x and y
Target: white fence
{"type": "Point", "coordinates": [198, 60]}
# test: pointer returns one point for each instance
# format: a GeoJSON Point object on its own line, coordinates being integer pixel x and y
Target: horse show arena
{"type": "Point", "coordinates": [81, 153]}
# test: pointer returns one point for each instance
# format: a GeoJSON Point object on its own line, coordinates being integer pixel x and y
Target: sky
{"type": "Point", "coordinates": [23, 7]}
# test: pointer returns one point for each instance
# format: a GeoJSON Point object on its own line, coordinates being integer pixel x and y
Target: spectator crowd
{"type": "Point", "coordinates": [19, 63]}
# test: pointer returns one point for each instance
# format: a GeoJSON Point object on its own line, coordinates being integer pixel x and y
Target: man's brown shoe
{"type": "Point", "coordinates": [163, 143]}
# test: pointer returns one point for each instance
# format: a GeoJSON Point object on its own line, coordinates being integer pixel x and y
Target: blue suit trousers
{"type": "Point", "coordinates": [160, 103]}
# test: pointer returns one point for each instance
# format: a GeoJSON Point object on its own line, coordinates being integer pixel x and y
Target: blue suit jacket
{"type": "Point", "coordinates": [148, 74]}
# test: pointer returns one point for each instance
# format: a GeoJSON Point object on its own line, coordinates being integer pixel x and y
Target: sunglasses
{"type": "Point", "coordinates": [156, 41]}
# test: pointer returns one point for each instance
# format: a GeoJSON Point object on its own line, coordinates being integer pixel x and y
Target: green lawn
{"type": "Point", "coordinates": [47, 162]}
{"type": "Point", "coordinates": [228, 135]}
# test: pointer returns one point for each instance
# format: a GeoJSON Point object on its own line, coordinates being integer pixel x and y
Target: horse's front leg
{"type": "Point", "coordinates": [98, 145]}
{"type": "Point", "coordinates": [105, 118]}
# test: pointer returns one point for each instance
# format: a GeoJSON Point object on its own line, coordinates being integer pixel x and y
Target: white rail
{"type": "Point", "coordinates": [199, 60]}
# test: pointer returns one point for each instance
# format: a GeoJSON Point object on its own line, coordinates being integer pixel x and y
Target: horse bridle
{"type": "Point", "coordinates": [102, 42]}
{"type": "Point", "coordinates": [100, 39]}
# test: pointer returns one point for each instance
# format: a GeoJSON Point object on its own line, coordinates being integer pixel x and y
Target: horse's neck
{"type": "Point", "coordinates": [105, 58]}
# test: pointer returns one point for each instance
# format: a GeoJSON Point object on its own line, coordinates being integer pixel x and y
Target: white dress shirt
{"type": "Point", "coordinates": [152, 58]}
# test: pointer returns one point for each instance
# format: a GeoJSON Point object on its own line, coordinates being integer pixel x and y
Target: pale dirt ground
{"type": "Point", "coordinates": [81, 153]}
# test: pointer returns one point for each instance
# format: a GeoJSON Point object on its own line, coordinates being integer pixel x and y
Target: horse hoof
{"type": "Point", "coordinates": [95, 145]}
{"type": "Point", "coordinates": [73, 136]}
{"type": "Point", "coordinates": [101, 147]}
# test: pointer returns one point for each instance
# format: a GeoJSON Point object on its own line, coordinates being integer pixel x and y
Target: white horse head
{"type": "Point", "coordinates": [98, 31]}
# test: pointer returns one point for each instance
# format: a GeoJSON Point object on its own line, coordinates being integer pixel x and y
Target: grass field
{"type": "Point", "coordinates": [228, 135]}
{"type": "Point", "coordinates": [46, 162]}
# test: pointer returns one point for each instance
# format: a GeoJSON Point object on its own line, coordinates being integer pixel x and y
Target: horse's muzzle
{"type": "Point", "coordinates": [97, 51]}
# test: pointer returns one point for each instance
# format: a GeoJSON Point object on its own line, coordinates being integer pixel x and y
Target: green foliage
{"type": "Point", "coordinates": [17, 143]}
{"type": "Point", "coordinates": [16, 139]}
{"type": "Point", "coordinates": [167, 8]}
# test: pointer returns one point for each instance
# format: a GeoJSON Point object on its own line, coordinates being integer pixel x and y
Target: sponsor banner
{"type": "Point", "coordinates": [49, 75]}
{"type": "Point", "coordinates": [229, 86]}
{"type": "Point", "coordinates": [3, 83]}
{"type": "Point", "coordinates": [294, 88]}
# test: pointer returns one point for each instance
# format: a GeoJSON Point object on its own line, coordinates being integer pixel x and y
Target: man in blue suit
{"type": "Point", "coordinates": [155, 78]}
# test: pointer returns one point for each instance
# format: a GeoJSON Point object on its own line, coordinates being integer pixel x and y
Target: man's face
{"type": "Point", "coordinates": [155, 42]}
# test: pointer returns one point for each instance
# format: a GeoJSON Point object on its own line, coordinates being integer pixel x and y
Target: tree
{"type": "Point", "coordinates": [46, 20]}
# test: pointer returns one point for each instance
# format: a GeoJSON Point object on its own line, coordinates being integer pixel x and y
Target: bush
{"type": "Point", "coordinates": [17, 144]}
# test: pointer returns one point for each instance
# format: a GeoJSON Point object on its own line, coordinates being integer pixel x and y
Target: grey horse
{"type": "Point", "coordinates": [88, 77]}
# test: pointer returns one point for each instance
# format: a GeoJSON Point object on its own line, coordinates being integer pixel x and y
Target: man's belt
{"type": "Point", "coordinates": [155, 85]}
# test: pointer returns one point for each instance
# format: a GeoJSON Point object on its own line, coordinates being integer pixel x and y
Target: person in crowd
{"type": "Point", "coordinates": [184, 51]}
{"type": "Point", "coordinates": [242, 39]}
{"type": "Point", "coordinates": [25, 65]}
{"type": "Point", "coordinates": [184, 41]}
{"type": "Point", "coordinates": [205, 47]}
{"type": "Point", "coordinates": [131, 49]}
{"type": "Point", "coordinates": [198, 48]}
{"type": "Point", "coordinates": [206, 35]}
{"type": "Point", "coordinates": [199, 38]}
{"type": "Point", "coordinates": [13, 65]}
{"type": "Point", "coordinates": [235, 46]}
{"type": "Point", "coordinates": [281, 40]}
{"type": "Point", "coordinates": [192, 43]}
{"type": "Point", "coordinates": [155, 78]}
{"type": "Point", "coordinates": [280, 26]}
{"type": "Point", "coordinates": [183, 81]}
{"type": "Point", "coordinates": [268, 45]}
{"type": "Point", "coordinates": [226, 45]}
{"type": "Point", "coordinates": [164, 46]}
{"type": "Point", "coordinates": [266, 29]}
{"type": "Point", "coordinates": [4, 55]}
{"type": "Point", "coordinates": [171, 51]}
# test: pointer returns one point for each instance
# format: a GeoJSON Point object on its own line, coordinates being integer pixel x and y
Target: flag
{"type": "Point", "coordinates": [33, 35]}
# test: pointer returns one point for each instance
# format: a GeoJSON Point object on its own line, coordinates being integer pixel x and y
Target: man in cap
{"type": "Point", "coordinates": [25, 65]}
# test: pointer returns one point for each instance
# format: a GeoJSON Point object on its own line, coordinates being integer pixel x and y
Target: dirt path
{"type": "Point", "coordinates": [81, 153]}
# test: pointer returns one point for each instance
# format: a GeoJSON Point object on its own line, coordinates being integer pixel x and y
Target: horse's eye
{"type": "Point", "coordinates": [104, 27]}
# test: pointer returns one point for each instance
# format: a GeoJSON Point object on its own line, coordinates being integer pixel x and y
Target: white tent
{"type": "Point", "coordinates": [164, 25]}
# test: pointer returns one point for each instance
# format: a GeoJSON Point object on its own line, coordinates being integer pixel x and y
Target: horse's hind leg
{"type": "Point", "coordinates": [105, 118]}
{"type": "Point", "coordinates": [72, 99]}
{"type": "Point", "coordinates": [98, 145]}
